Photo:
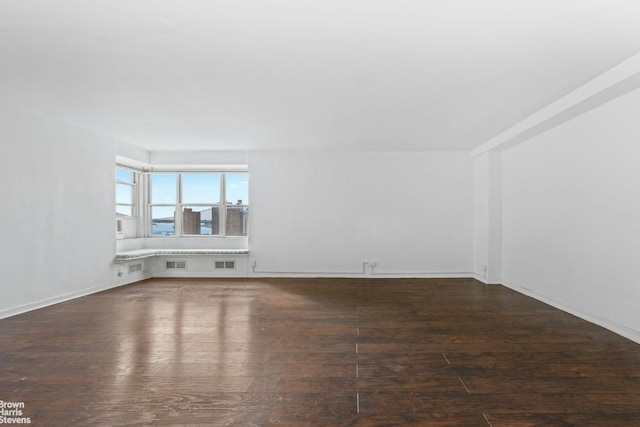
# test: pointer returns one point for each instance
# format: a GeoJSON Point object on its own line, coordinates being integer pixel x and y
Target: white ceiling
{"type": "Point", "coordinates": [302, 74]}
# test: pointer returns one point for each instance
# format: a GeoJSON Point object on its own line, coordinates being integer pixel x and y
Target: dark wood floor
{"type": "Point", "coordinates": [316, 352]}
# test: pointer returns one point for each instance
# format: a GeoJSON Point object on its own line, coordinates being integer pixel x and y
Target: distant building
{"type": "Point", "coordinates": [207, 221]}
{"type": "Point", "coordinates": [191, 222]}
{"type": "Point", "coordinates": [237, 220]}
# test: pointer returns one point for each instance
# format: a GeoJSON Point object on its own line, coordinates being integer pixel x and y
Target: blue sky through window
{"type": "Point", "coordinates": [200, 188]}
{"type": "Point", "coordinates": [163, 188]}
{"type": "Point", "coordinates": [124, 194]}
{"type": "Point", "coordinates": [124, 175]}
{"type": "Point", "coordinates": [237, 188]}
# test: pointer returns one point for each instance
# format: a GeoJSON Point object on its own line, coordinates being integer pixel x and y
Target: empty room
{"type": "Point", "coordinates": [320, 213]}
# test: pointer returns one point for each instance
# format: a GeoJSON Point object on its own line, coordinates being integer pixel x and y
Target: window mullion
{"type": "Point", "coordinates": [142, 201]}
{"type": "Point", "coordinates": [222, 209]}
{"type": "Point", "coordinates": [148, 222]}
{"type": "Point", "coordinates": [178, 211]}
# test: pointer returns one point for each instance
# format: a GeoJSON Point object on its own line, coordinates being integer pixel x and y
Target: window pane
{"type": "Point", "coordinates": [237, 221]}
{"type": "Point", "coordinates": [124, 194]}
{"type": "Point", "coordinates": [124, 175]}
{"type": "Point", "coordinates": [123, 210]}
{"type": "Point", "coordinates": [163, 221]}
{"type": "Point", "coordinates": [237, 191]}
{"type": "Point", "coordinates": [163, 188]}
{"type": "Point", "coordinates": [200, 188]}
{"type": "Point", "coordinates": [200, 220]}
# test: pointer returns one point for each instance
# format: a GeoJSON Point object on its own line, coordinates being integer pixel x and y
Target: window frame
{"type": "Point", "coordinates": [133, 184]}
{"type": "Point", "coordinates": [179, 206]}
{"type": "Point", "coordinates": [150, 205]}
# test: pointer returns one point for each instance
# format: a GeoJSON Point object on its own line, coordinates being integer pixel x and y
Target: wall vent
{"type": "Point", "coordinates": [135, 268]}
{"type": "Point", "coordinates": [176, 265]}
{"type": "Point", "coordinates": [119, 229]}
{"type": "Point", "coordinates": [225, 265]}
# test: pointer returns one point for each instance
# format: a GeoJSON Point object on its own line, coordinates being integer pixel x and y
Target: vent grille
{"type": "Point", "coordinates": [225, 265]}
{"type": "Point", "coordinates": [134, 268]}
{"type": "Point", "coordinates": [176, 265]}
{"type": "Point", "coordinates": [119, 229]}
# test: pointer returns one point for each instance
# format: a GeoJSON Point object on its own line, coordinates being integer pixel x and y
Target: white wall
{"type": "Point", "coordinates": [209, 158]}
{"type": "Point", "coordinates": [57, 216]}
{"type": "Point", "coordinates": [324, 213]}
{"type": "Point", "coordinates": [571, 216]}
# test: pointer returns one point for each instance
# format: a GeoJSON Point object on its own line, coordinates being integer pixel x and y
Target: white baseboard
{"type": "Point", "coordinates": [134, 280]}
{"type": "Point", "coordinates": [421, 275]}
{"type": "Point", "coordinates": [13, 311]}
{"type": "Point", "coordinates": [342, 275]}
{"type": "Point", "coordinates": [486, 281]}
{"type": "Point", "coordinates": [480, 278]}
{"type": "Point", "coordinates": [619, 329]}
